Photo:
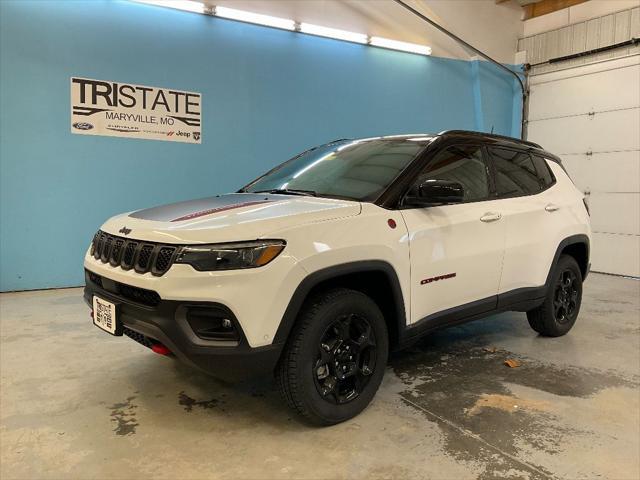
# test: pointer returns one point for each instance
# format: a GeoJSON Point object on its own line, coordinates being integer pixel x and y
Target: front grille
{"type": "Point", "coordinates": [128, 292]}
{"type": "Point", "coordinates": [138, 295]}
{"type": "Point", "coordinates": [143, 257]}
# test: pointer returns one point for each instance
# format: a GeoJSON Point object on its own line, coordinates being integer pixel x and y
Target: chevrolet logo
{"type": "Point", "coordinates": [125, 230]}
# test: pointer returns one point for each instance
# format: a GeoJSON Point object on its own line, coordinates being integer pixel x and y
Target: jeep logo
{"type": "Point", "coordinates": [125, 230]}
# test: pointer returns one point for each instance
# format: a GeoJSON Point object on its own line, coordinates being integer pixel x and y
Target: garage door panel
{"type": "Point", "coordinates": [603, 132]}
{"type": "Point", "coordinates": [600, 151]}
{"type": "Point", "coordinates": [602, 91]}
{"type": "Point", "coordinates": [618, 254]}
{"type": "Point", "coordinates": [605, 172]}
{"type": "Point", "coordinates": [615, 212]}
{"type": "Point", "coordinates": [577, 167]}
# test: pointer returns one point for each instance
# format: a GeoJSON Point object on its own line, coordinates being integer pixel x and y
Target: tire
{"type": "Point", "coordinates": [557, 315]}
{"type": "Point", "coordinates": [335, 357]}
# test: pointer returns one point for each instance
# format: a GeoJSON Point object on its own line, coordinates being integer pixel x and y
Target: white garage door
{"type": "Point", "coordinates": [590, 117]}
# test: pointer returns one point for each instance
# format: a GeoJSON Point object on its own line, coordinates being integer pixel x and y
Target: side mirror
{"type": "Point", "coordinates": [435, 192]}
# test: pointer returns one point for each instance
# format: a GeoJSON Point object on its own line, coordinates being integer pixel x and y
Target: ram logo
{"type": "Point", "coordinates": [125, 230]}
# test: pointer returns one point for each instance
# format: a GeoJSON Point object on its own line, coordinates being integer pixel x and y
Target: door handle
{"type": "Point", "coordinates": [551, 207]}
{"type": "Point", "coordinates": [490, 217]}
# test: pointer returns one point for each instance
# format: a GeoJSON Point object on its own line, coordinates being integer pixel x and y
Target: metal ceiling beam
{"type": "Point", "coordinates": [478, 52]}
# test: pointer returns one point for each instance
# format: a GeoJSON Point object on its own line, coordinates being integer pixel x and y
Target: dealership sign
{"type": "Point", "coordinates": [118, 109]}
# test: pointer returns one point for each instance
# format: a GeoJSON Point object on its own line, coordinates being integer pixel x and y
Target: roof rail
{"type": "Point", "coordinates": [491, 135]}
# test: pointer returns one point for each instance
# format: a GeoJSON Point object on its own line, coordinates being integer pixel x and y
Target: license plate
{"type": "Point", "coordinates": [104, 316]}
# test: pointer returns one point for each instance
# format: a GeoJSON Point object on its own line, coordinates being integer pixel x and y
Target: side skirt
{"type": "Point", "coordinates": [519, 300]}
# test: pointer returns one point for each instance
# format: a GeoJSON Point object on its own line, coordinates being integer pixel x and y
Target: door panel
{"type": "Point", "coordinates": [606, 212]}
{"type": "Point", "coordinates": [616, 253]}
{"type": "Point", "coordinates": [456, 250]}
{"type": "Point", "coordinates": [531, 239]}
{"type": "Point", "coordinates": [608, 90]}
{"type": "Point", "coordinates": [615, 172]}
{"type": "Point", "coordinates": [449, 240]}
{"type": "Point", "coordinates": [604, 132]}
{"type": "Point", "coordinates": [596, 109]}
{"type": "Point", "coordinates": [531, 216]}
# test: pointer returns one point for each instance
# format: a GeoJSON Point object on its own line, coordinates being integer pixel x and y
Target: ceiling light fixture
{"type": "Point", "coordinates": [243, 16]}
{"type": "Point", "coordinates": [402, 46]}
{"type": "Point", "coordinates": [333, 33]}
{"type": "Point", "coordinates": [186, 5]}
{"type": "Point", "coordinates": [288, 24]}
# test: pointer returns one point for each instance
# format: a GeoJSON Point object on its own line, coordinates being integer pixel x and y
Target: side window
{"type": "Point", "coordinates": [463, 164]}
{"type": "Point", "coordinates": [544, 173]}
{"type": "Point", "coordinates": [515, 173]}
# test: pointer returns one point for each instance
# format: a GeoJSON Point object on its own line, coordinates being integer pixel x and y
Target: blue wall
{"type": "Point", "coordinates": [267, 94]}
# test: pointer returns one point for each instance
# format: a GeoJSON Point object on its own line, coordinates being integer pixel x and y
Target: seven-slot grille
{"type": "Point", "coordinates": [142, 256]}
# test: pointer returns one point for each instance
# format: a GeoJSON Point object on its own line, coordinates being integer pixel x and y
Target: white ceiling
{"type": "Point", "coordinates": [493, 28]}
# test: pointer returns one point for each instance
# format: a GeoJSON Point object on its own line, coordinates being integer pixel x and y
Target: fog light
{"type": "Point", "coordinates": [212, 323]}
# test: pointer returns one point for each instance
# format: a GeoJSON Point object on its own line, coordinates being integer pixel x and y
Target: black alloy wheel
{"type": "Point", "coordinates": [559, 310]}
{"type": "Point", "coordinates": [346, 359]}
{"type": "Point", "coordinates": [335, 356]}
{"type": "Point", "coordinates": [565, 303]}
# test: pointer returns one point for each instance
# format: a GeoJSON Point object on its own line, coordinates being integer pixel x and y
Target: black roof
{"type": "Point", "coordinates": [490, 135]}
{"type": "Point", "coordinates": [428, 137]}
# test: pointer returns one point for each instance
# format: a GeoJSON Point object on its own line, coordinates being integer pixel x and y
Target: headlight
{"type": "Point", "coordinates": [231, 256]}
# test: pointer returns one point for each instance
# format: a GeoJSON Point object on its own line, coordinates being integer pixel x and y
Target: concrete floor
{"type": "Point", "coordinates": [77, 403]}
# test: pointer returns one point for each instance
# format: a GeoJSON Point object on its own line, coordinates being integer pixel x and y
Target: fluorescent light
{"type": "Point", "coordinates": [333, 33]}
{"type": "Point", "coordinates": [403, 46]}
{"type": "Point", "coordinates": [244, 16]}
{"type": "Point", "coordinates": [187, 5]}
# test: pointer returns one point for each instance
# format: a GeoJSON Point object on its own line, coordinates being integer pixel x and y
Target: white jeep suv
{"type": "Point", "coordinates": [318, 268]}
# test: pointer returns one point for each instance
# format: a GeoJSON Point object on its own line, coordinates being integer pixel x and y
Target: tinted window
{"type": "Point", "coordinates": [544, 173]}
{"type": "Point", "coordinates": [515, 173]}
{"type": "Point", "coordinates": [464, 165]}
{"type": "Point", "coordinates": [355, 169]}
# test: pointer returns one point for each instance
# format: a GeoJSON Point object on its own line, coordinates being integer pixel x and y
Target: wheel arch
{"type": "Point", "coordinates": [577, 246]}
{"type": "Point", "coordinates": [376, 278]}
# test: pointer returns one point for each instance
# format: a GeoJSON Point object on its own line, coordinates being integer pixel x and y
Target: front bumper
{"type": "Point", "coordinates": [155, 320]}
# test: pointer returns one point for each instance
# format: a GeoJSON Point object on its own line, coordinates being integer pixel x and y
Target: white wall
{"type": "Point", "coordinates": [579, 13]}
{"type": "Point", "coordinates": [489, 27]}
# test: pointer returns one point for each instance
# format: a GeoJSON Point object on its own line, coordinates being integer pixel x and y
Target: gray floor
{"type": "Point", "coordinates": [77, 403]}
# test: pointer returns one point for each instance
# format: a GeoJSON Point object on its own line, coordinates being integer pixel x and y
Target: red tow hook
{"type": "Point", "coordinates": [160, 349]}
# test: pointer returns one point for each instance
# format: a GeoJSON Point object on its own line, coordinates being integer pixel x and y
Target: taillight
{"type": "Point", "coordinates": [586, 206]}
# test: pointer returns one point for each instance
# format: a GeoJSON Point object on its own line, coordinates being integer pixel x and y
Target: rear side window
{"type": "Point", "coordinates": [462, 164]}
{"type": "Point", "coordinates": [544, 173]}
{"type": "Point", "coordinates": [515, 173]}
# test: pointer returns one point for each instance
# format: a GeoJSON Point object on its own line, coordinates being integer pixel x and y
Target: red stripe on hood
{"type": "Point", "coordinates": [209, 211]}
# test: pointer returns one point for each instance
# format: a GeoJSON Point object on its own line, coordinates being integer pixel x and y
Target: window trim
{"type": "Point", "coordinates": [490, 181]}
{"type": "Point", "coordinates": [497, 196]}
{"type": "Point", "coordinates": [546, 165]}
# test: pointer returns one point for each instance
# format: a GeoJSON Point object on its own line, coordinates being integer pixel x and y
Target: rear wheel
{"type": "Point", "coordinates": [556, 316]}
{"type": "Point", "coordinates": [335, 358]}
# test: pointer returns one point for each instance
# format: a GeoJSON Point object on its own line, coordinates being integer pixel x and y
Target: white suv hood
{"type": "Point", "coordinates": [226, 218]}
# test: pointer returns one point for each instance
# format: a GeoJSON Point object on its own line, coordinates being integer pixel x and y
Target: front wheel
{"type": "Point", "coordinates": [556, 316]}
{"type": "Point", "coordinates": [335, 358]}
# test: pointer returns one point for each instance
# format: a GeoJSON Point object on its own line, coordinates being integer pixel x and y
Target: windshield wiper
{"type": "Point", "coordinates": [289, 191]}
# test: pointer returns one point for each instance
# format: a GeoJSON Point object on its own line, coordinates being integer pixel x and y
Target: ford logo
{"type": "Point", "coordinates": [82, 126]}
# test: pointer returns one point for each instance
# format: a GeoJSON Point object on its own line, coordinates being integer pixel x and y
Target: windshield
{"type": "Point", "coordinates": [353, 169]}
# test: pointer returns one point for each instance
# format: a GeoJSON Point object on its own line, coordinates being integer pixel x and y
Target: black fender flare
{"type": "Point", "coordinates": [316, 278]}
{"type": "Point", "coordinates": [572, 240]}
